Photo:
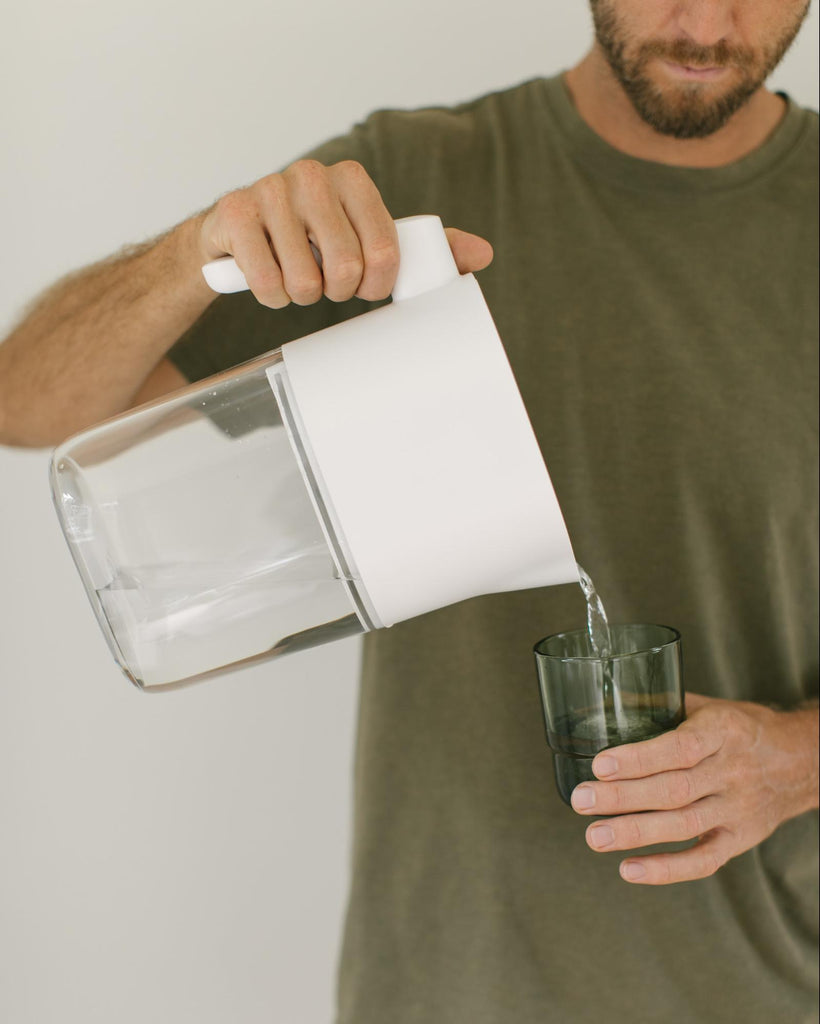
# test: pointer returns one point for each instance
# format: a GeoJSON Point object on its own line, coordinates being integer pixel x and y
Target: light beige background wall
{"type": "Point", "coordinates": [182, 858]}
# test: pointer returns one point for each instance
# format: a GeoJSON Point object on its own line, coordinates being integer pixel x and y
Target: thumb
{"type": "Point", "coordinates": [471, 252]}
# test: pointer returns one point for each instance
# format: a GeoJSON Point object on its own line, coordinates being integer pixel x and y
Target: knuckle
{"type": "Point", "coordinates": [274, 188]}
{"type": "Point", "coordinates": [693, 824]}
{"type": "Point", "coordinates": [347, 270]}
{"type": "Point", "coordinates": [642, 762]}
{"type": "Point", "coordinates": [308, 175]}
{"type": "Point", "coordinates": [617, 797]}
{"type": "Point", "coordinates": [351, 170]}
{"type": "Point", "coordinates": [742, 727]}
{"type": "Point", "coordinates": [721, 717]}
{"type": "Point", "coordinates": [690, 747]}
{"type": "Point", "coordinates": [265, 282]}
{"type": "Point", "coordinates": [234, 208]}
{"type": "Point", "coordinates": [632, 832]}
{"type": "Point", "coordinates": [383, 254]}
{"type": "Point", "coordinates": [303, 169]}
{"type": "Point", "coordinates": [381, 265]}
{"type": "Point", "coordinates": [663, 870]}
{"type": "Point", "coordinates": [309, 168]}
{"type": "Point", "coordinates": [730, 720]}
{"type": "Point", "coordinates": [304, 291]}
{"type": "Point", "coordinates": [678, 789]}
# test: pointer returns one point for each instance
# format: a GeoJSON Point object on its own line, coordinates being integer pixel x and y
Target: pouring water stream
{"type": "Point", "coordinates": [601, 643]}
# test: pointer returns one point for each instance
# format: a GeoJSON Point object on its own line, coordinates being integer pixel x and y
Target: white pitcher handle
{"type": "Point", "coordinates": [426, 261]}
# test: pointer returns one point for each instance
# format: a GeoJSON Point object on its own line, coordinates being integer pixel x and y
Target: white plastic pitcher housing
{"type": "Point", "coordinates": [371, 472]}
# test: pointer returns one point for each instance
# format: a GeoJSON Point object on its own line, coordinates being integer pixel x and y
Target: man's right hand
{"type": "Point", "coordinates": [269, 227]}
{"type": "Point", "coordinates": [95, 343]}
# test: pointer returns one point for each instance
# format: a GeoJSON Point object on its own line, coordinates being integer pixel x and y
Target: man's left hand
{"type": "Point", "coordinates": [727, 776]}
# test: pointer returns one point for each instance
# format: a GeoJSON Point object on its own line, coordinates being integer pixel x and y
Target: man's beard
{"type": "Point", "coordinates": [684, 111]}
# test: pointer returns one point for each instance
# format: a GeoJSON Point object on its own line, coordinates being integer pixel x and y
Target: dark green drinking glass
{"type": "Point", "coordinates": [591, 703]}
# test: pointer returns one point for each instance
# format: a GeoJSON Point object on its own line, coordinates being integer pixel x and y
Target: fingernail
{"type": "Point", "coordinates": [604, 765]}
{"type": "Point", "coordinates": [583, 797]}
{"type": "Point", "coordinates": [632, 871]}
{"type": "Point", "coordinates": [601, 835]}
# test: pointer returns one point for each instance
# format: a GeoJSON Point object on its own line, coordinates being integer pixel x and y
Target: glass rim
{"type": "Point", "coordinates": [653, 649]}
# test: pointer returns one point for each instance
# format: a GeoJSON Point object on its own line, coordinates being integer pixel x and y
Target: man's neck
{"type": "Point", "coordinates": [601, 101]}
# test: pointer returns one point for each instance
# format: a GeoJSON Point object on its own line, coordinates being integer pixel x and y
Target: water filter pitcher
{"type": "Point", "coordinates": [355, 478]}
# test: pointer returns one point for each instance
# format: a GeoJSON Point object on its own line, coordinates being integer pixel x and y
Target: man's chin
{"type": "Point", "coordinates": [687, 108]}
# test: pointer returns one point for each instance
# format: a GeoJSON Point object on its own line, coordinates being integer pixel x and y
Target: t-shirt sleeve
{"type": "Point", "coordinates": [236, 327]}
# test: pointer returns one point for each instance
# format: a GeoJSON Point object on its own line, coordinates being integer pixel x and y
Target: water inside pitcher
{"type": "Point", "coordinates": [194, 528]}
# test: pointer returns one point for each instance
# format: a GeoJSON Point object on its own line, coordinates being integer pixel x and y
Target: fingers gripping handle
{"type": "Point", "coordinates": [425, 261]}
{"type": "Point", "coordinates": [224, 276]}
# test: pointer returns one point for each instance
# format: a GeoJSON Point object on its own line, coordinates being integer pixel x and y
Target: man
{"type": "Point", "coordinates": [653, 220]}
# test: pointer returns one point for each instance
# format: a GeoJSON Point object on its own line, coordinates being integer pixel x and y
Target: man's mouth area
{"type": "Point", "coordinates": [695, 72]}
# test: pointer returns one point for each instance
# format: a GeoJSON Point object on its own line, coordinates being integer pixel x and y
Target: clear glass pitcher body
{"type": "Point", "coordinates": [198, 534]}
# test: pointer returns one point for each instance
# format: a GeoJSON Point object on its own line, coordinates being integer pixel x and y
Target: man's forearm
{"type": "Point", "coordinates": [84, 349]}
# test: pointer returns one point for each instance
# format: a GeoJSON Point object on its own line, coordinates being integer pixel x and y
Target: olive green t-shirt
{"type": "Point", "coordinates": [662, 325]}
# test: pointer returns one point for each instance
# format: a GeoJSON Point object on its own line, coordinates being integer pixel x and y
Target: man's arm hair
{"type": "Point", "coordinates": [85, 350]}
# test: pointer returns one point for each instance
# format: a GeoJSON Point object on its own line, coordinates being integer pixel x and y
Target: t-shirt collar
{"type": "Point", "coordinates": [604, 160]}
